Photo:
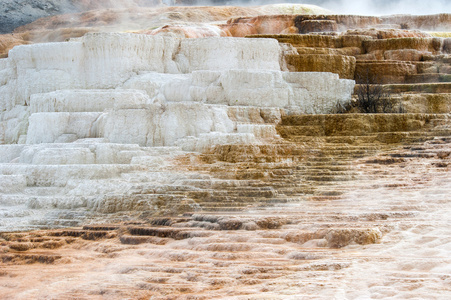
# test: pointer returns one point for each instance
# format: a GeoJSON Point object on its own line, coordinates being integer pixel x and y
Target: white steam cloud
{"type": "Point", "coordinates": [384, 7]}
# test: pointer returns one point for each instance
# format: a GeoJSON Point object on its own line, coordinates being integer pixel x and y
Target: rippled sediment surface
{"type": "Point", "coordinates": [384, 233]}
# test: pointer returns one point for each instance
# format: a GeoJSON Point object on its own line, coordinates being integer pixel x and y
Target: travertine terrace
{"type": "Point", "coordinates": [208, 161]}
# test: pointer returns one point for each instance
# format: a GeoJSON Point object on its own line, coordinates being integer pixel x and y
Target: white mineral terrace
{"type": "Point", "coordinates": [130, 129]}
{"type": "Point", "coordinates": [287, 252]}
{"type": "Point", "coordinates": [80, 119]}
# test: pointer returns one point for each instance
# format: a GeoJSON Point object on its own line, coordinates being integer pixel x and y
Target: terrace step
{"type": "Point", "coordinates": [442, 87]}
{"type": "Point", "coordinates": [428, 78]}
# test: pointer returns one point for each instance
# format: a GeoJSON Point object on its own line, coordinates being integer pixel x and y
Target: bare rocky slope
{"type": "Point", "coordinates": [15, 13]}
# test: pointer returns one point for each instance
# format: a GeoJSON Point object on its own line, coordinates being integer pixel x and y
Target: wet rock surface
{"type": "Point", "coordinates": [325, 236]}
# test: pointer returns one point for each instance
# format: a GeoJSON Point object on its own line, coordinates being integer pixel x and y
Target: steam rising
{"type": "Point", "coordinates": [362, 7]}
{"type": "Point", "coordinates": [386, 7]}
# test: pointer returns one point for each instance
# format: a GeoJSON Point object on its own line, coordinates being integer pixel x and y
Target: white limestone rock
{"type": "Point", "coordinates": [130, 126]}
{"type": "Point", "coordinates": [8, 153]}
{"type": "Point", "coordinates": [112, 58]}
{"type": "Point", "coordinates": [324, 91]}
{"type": "Point", "coordinates": [106, 60]}
{"type": "Point", "coordinates": [87, 100]}
{"type": "Point", "coordinates": [6, 71]}
{"type": "Point", "coordinates": [7, 79]}
{"type": "Point", "coordinates": [161, 87]}
{"type": "Point", "coordinates": [47, 67]}
{"type": "Point", "coordinates": [54, 154]}
{"type": "Point", "coordinates": [12, 183]}
{"type": "Point", "coordinates": [192, 119]}
{"type": "Point", "coordinates": [162, 125]}
{"type": "Point", "coordinates": [110, 153]}
{"type": "Point", "coordinates": [48, 127]}
{"type": "Point", "coordinates": [225, 53]}
{"type": "Point", "coordinates": [67, 157]}
{"type": "Point", "coordinates": [59, 175]}
{"type": "Point", "coordinates": [79, 153]}
{"type": "Point", "coordinates": [255, 88]}
{"type": "Point", "coordinates": [66, 138]}
{"type": "Point", "coordinates": [307, 92]}
{"type": "Point", "coordinates": [100, 60]}
{"type": "Point", "coordinates": [13, 124]}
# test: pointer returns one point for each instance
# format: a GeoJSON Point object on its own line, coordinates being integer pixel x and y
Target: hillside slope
{"type": "Point", "coordinates": [15, 13]}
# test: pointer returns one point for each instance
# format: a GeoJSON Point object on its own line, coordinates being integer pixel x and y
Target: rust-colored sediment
{"type": "Point", "coordinates": [318, 213]}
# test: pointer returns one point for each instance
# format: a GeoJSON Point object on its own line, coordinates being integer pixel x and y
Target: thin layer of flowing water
{"type": "Point", "coordinates": [383, 233]}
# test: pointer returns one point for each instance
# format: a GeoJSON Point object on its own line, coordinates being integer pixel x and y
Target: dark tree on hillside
{"type": "Point", "coordinates": [373, 97]}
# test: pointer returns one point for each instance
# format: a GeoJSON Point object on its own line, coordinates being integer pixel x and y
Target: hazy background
{"type": "Point", "coordinates": [14, 13]}
{"type": "Point", "coordinates": [384, 7]}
